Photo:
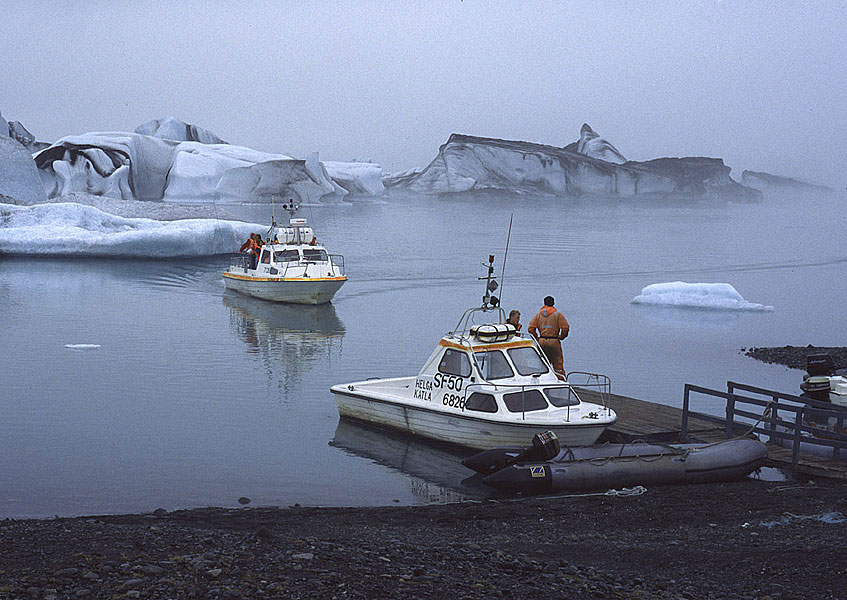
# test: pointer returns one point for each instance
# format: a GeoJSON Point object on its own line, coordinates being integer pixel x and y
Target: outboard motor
{"type": "Point", "coordinates": [545, 446]}
{"type": "Point", "coordinates": [819, 368]}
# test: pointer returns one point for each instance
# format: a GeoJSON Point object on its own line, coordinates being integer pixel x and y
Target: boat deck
{"type": "Point", "coordinates": [639, 419]}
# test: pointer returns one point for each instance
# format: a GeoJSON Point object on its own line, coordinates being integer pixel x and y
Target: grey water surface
{"type": "Point", "coordinates": [197, 396]}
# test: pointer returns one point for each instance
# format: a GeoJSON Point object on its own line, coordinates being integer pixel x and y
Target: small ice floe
{"type": "Point", "coordinates": [829, 518]}
{"type": "Point", "coordinates": [712, 296]}
{"type": "Point", "coordinates": [82, 346]}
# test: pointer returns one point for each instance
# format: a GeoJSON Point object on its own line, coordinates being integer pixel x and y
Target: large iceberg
{"type": "Point", "coordinates": [19, 178]}
{"type": "Point", "coordinates": [468, 163]}
{"type": "Point", "coordinates": [68, 228]}
{"type": "Point", "coordinates": [142, 167]}
{"type": "Point", "coordinates": [712, 296]}
{"type": "Point", "coordinates": [170, 128]}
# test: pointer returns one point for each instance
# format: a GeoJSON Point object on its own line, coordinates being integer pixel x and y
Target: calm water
{"type": "Point", "coordinates": [198, 396]}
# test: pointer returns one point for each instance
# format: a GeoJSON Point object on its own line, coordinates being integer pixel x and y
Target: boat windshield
{"type": "Point", "coordinates": [315, 255]}
{"type": "Point", "coordinates": [561, 396]}
{"type": "Point", "coordinates": [527, 361]}
{"type": "Point", "coordinates": [493, 365]}
{"type": "Point", "coordinates": [524, 401]}
{"type": "Point", "coordinates": [286, 256]}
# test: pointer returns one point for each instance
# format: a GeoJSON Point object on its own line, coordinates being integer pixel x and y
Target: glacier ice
{"type": "Point", "coordinates": [714, 296]}
{"type": "Point", "coordinates": [766, 182]}
{"type": "Point", "coordinates": [68, 228]}
{"type": "Point", "coordinates": [468, 163]}
{"type": "Point", "coordinates": [170, 128]}
{"type": "Point", "coordinates": [170, 160]}
{"type": "Point", "coordinates": [591, 144]}
{"type": "Point", "coordinates": [135, 166]}
{"type": "Point", "coordinates": [358, 178]}
{"type": "Point", "coordinates": [19, 178]}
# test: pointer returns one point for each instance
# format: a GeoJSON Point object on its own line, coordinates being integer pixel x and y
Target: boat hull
{"type": "Point", "coordinates": [299, 290]}
{"type": "Point", "coordinates": [616, 465]}
{"type": "Point", "coordinates": [454, 428]}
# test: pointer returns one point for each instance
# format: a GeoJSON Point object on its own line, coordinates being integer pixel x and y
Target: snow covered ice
{"type": "Point", "coordinates": [68, 228]}
{"type": "Point", "coordinates": [589, 167]}
{"type": "Point", "coordinates": [170, 160]}
{"type": "Point", "coordinates": [713, 296]}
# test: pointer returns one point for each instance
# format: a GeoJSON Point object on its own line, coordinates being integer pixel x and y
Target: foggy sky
{"type": "Point", "coordinates": [760, 84]}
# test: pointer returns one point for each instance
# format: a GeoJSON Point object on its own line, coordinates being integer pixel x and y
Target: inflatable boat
{"type": "Point", "coordinates": [537, 470]}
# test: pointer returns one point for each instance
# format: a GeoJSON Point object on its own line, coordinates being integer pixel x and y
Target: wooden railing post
{"type": "Point", "coordinates": [730, 409]}
{"type": "Point", "coordinates": [683, 435]}
{"type": "Point", "coordinates": [795, 447]}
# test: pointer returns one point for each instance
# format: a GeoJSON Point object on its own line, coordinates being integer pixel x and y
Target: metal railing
{"type": "Point", "coordinates": [244, 261]}
{"type": "Point", "coordinates": [595, 382]}
{"type": "Point", "coordinates": [784, 418]}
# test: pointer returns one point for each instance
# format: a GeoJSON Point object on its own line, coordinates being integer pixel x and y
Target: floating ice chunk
{"type": "Point", "coordinates": [68, 228]}
{"type": "Point", "coordinates": [82, 346]}
{"type": "Point", "coordinates": [713, 296]}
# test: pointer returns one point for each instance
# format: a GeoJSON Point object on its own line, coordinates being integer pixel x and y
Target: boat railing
{"type": "Point", "coordinates": [523, 387]}
{"type": "Point", "coordinates": [464, 325]}
{"type": "Point", "coordinates": [594, 382]}
{"type": "Point", "coordinates": [337, 261]}
{"type": "Point", "coordinates": [240, 261]}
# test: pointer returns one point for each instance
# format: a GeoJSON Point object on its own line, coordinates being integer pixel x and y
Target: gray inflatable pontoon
{"type": "Point", "coordinates": [621, 465]}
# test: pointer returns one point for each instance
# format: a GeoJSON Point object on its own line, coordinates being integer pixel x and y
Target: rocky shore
{"type": "Point", "coordinates": [794, 357]}
{"type": "Point", "coordinates": [747, 540]}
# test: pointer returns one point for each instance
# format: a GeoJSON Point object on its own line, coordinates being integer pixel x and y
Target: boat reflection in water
{"type": "Point", "coordinates": [291, 336]}
{"type": "Point", "coordinates": [435, 470]}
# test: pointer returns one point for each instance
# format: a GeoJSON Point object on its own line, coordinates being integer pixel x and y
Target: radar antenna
{"type": "Point", "coordinates": [489, 301]}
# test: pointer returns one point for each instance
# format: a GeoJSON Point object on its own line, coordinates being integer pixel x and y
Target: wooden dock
{"type": "Point", "coordinates": [641, 420]}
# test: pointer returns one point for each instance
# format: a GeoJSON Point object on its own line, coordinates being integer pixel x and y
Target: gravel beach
{"type": "Point", "coordinates": [751, 540]}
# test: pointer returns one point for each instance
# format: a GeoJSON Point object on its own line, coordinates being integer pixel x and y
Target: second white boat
{"type": "Point", "coordinates": [483, 386]}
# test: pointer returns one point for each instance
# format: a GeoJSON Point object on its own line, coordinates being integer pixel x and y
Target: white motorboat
{"type": "Point", "coordinates": [485, 385]}
{"type": "Point", "coordinates": [290, 267]}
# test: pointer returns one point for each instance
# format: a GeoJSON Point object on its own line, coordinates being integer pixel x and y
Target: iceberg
{"type": "Point", "coordinates": [19, 179]}
{"type": "Point", "coordinates": [468, 163]}
{"type": "Point", "coordinates": [711, 296]}
{"type": "Point", "coordinates": [766, 182]}
{"type": "Point", "coordinates": [170, 128]}
{"type": "Point", "coordinates": [68, 228]}
{"type": "Point", "coordinates": [133, 166]}
{"type": "Point", "coordinates": [591, 144]}
{"type": "Point", "coordinates": [358, 178]}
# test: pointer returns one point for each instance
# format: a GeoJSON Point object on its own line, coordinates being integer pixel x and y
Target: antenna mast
{"type": "Point", "coordinates": [505, 255]}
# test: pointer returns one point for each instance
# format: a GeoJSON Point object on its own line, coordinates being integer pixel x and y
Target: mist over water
{"type": "Point", "coordinates": [197, 396]}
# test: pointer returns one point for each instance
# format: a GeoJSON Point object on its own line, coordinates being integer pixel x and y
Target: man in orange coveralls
{"type": "Point", "coordinates": [549, 327]}
{"type": "Point", "coordinates": [253, 246]}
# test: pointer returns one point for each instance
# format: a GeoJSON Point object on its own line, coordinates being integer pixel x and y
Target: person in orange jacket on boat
{"type": "Point", "coordinates": [549, 327]}
{"type": "Point", "coordinates": [253, 246]}
{"type": "Point", "coordinates": [515, 319]}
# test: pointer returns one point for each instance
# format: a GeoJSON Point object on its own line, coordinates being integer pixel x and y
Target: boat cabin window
{"type": "Point", "coordinates": [286, 256]}
{"type": "Point", "coordinates": [561, 396]}
{"type": "Point", "coordinates": [481, 402]}
{"type": "Point", "coordinates": [266, 256]}
{"type": "Point", "coordinates": [455, 362]}
{"type": "Point", "coordinates": [525, 401]}
{"type": "Point", "coordinates": [314, 255]}
{"type": "Point", "coordinates": [527, 361]}
{"type": "Point", "coordinates": [493, 365]}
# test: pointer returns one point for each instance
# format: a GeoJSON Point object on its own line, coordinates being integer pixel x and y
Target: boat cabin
{"type": "Point", "coordinates": [492, 369]}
